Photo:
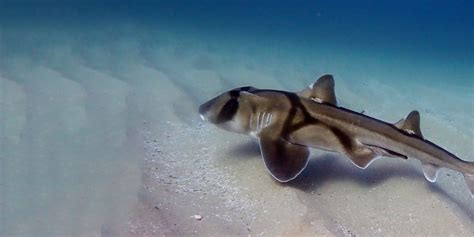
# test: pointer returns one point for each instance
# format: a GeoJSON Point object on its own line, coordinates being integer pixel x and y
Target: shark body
{"type": "Point", "coordinates": [287, 124]}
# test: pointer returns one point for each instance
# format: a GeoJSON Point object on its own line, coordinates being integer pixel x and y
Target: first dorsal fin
{"type": "Point", "coordinates": [321, 91]}
{"type": "Point", "coordinates": [411, 123]}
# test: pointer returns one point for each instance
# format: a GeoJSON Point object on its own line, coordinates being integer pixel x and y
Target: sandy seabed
{"type": "Point", "coordinates": [102, 138]}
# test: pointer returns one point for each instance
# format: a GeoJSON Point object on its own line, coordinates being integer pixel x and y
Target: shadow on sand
{"type": "Point", "coordinates": [329, 167]}
{"type": "Point", "coordinates": [247, 150]}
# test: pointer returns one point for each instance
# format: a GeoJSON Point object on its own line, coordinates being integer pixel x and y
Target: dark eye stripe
{"type": "Point", "coordinates": [234, 94]}
{"type": "Point", "coordinates": [230, 108]}
{"type": "Point", "coordinates": [228, 111]}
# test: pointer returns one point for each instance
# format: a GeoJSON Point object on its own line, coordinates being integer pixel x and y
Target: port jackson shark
{"type": "Point", "coordinates": [287, 124]}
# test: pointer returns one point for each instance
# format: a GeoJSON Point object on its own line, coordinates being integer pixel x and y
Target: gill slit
{"type": "Point", "coordinates": [258, 122]}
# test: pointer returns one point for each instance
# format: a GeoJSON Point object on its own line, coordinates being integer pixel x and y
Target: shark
{"type": "Point", "coordinates": [288, 124]}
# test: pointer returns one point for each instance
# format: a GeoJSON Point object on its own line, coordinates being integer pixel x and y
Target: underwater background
{"type": "Point", "coordinates": [100, 135]}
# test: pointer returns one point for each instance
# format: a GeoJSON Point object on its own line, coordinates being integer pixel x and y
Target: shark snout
{"type": "Point", "coordinates": [205, 111]}
{"type": "Point", "coordinates": [204, 108]}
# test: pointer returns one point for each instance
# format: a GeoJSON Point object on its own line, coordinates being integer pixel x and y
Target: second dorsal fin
{"type": "Point", "coordinates": [321, 91]}
{"type": "Point", "coordinates": [411, 123]}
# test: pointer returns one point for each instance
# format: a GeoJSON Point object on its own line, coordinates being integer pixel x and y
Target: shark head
{"type": "Point", "coordinates": [231, 110]}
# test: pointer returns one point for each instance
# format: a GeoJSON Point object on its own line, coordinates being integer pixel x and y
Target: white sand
{"type": "Point", "coordinates": [102, 137]}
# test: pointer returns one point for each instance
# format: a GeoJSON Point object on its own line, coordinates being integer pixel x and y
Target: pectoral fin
{"type": "Point", "coordinates": [283, 159]}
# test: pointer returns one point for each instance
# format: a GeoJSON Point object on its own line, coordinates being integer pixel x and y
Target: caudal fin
{"type": "Point", "coordinates": [470, 183]}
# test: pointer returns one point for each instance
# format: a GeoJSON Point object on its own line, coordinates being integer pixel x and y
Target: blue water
{"type": "Point", "coordinates": [415, 34]}
{"type": "Point", "coordinates": [80, 79]}
{"type": "Point", "coordinates": [431, 29]}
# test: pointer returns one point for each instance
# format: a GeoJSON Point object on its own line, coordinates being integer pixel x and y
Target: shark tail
{"type": "Point", "coordinates": [470, 182]}
{"type": "Point", "coordinates": [431, 173]}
